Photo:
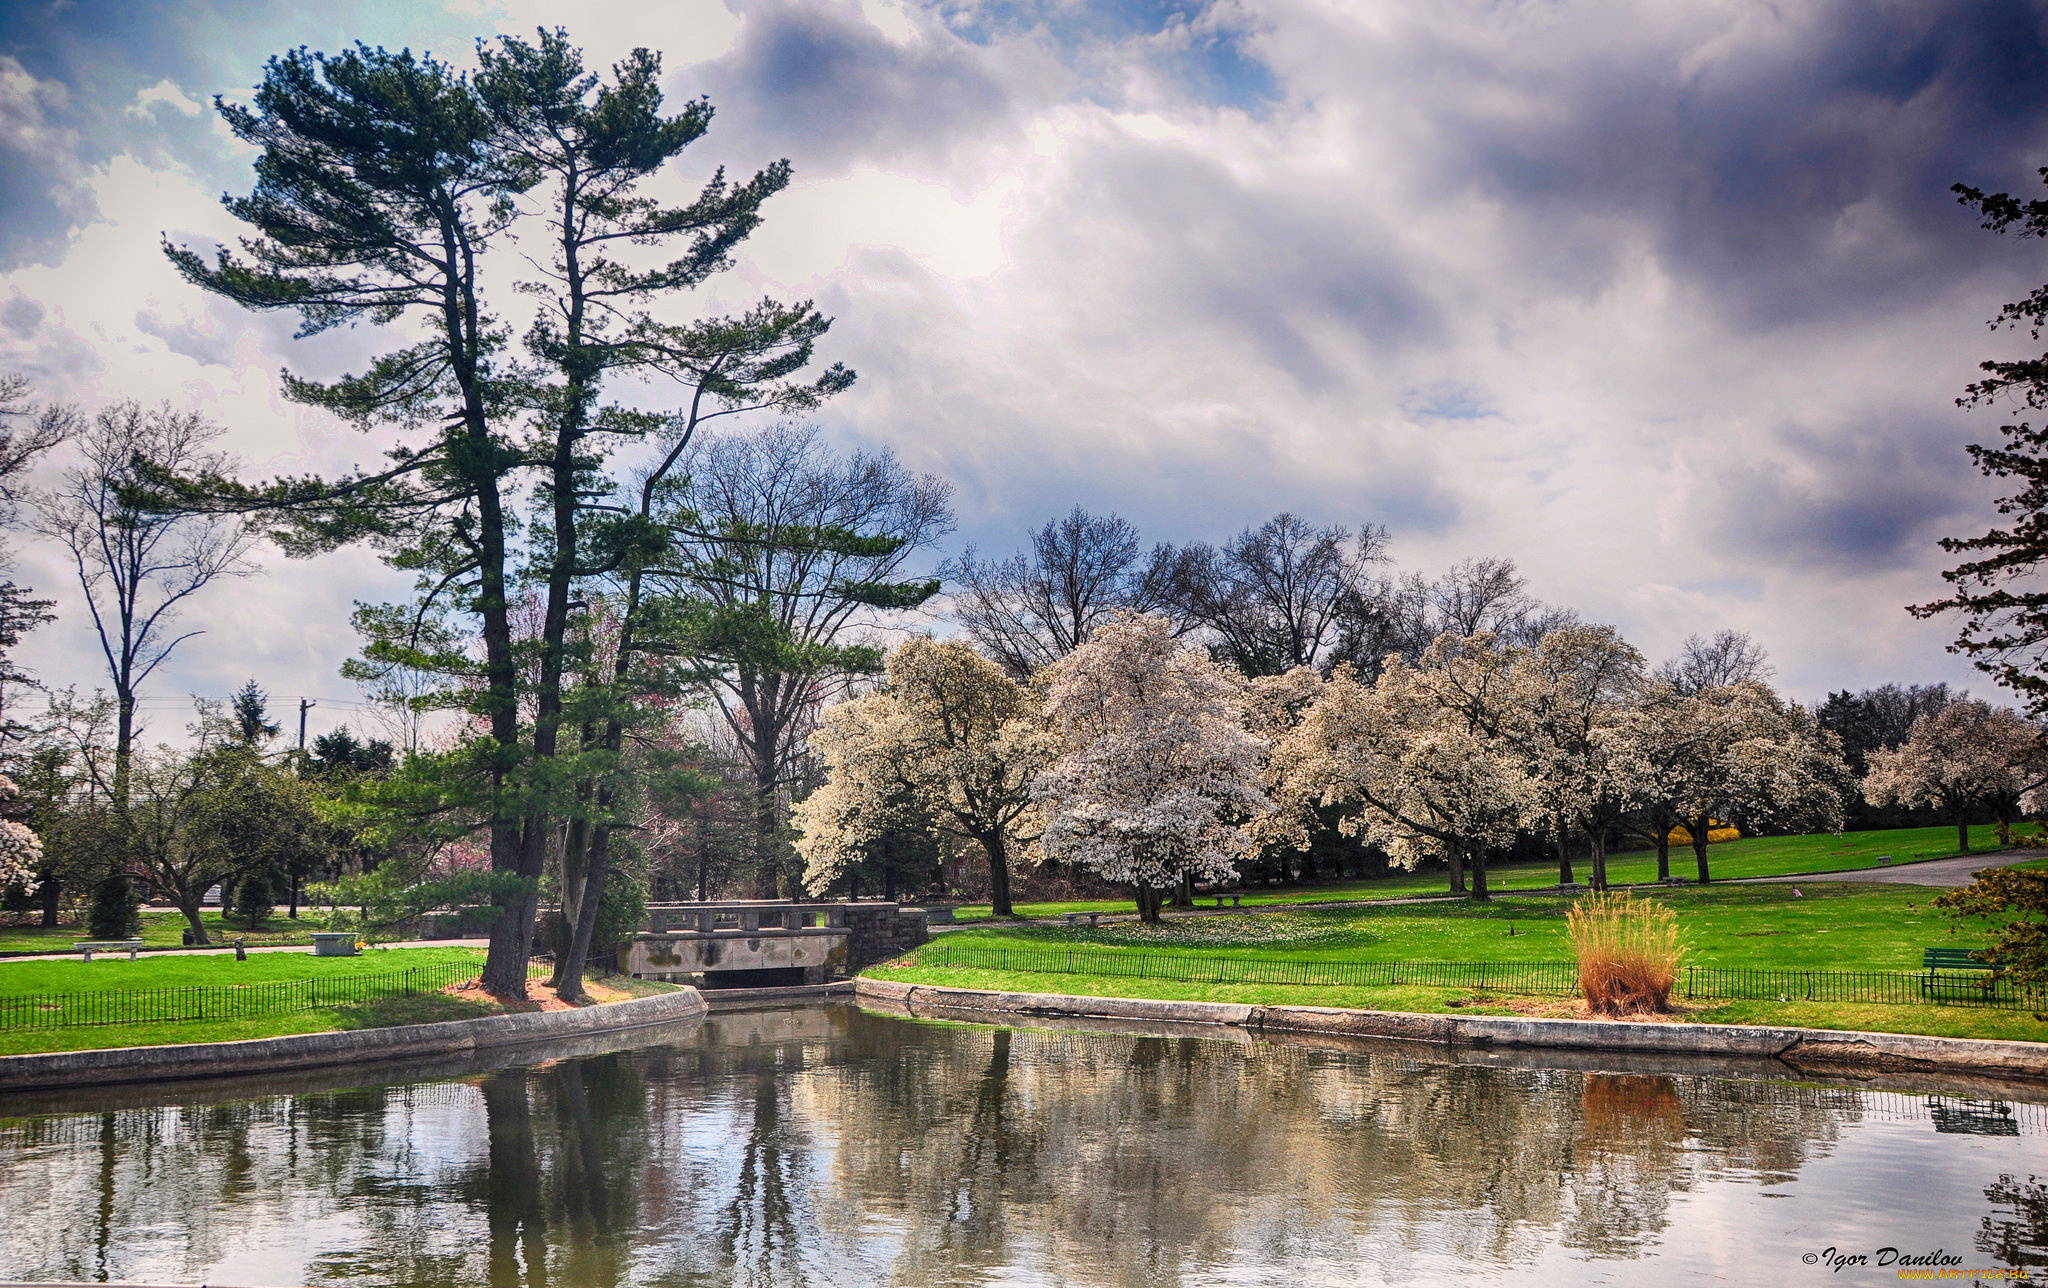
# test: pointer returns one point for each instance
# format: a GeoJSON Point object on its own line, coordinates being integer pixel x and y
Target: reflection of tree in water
{"type": "Point", "coordinates": [500, 1180]}
{"type": "Point", "coordinates": [829, 1146]}
{"type": "Point", "coordinates": [2018, 1237]}
{"type": "Point", "coordinates": [1155, 1160]}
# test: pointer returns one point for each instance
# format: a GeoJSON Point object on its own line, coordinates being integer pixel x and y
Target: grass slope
{"type": "Point", "coordinates": [166, 930]}
{"type": "Point", "coordinates": [1832, 926]}
{"type": "Point", "coordinates": [25, 978]}
{"type": "Point", "coordinates": [1759, 856]}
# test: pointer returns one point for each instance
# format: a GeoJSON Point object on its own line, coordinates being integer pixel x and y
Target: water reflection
{"type": "Point", "coordinates": [831, 1146]}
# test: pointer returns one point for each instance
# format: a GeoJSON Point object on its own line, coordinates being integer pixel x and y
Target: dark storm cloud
{"type": "Point", "coordinates": [814, 80]}
{"type": "Point", "coordinates": [1790, 173]}
{"type": "Point", "coordinates": [1851, 499]}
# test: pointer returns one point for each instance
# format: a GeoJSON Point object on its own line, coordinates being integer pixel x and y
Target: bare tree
{"type": "Point", "coordinates": [1407, 614]}
{"type": "Point", "coordinates": [1729, 657]}
{"type": "Point", "coordinates": [136, 565]}
{"type": "Point", "coordinates": [1040, 604]}
{"type": "Point", "coordinates": [782, 551]}
{"type": "Point", "coordinates": [1274, 596]}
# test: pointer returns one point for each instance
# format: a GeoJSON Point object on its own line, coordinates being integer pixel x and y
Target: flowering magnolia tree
{"type": "Point", "coordinates": [21, 850]}
{"type": "Point", "coordinates": [1407, 764]}
{"type": "Point", "coordinates": [952, 744]}
{"type": "Point", "coordinates": [1966, 754]}
{"type": "Point", "coordinates": [1733, 751]}
{"type": "Point", "coordinates": [1157, 778]}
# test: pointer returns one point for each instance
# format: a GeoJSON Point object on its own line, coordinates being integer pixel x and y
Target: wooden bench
{"type": "Point", "coordinates": [1074, 918]}
{"type": "Point", "coordinates": [91, 946]}
{"type": "Point", "coordinates": [1236, 901]}
{"type": "Point", "coordinates": [1935, 961]}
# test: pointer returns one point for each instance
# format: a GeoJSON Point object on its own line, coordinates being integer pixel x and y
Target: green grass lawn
{"type": "Point", "coordinates": [1831, 926]}
{"type": "Point", "coordinates": [47, 979]}
{"type": "Point", "coordinates": [1759, 856]}
{"type": "Point", "coordinates": [166, 930]}
{"type": "Point", "coordinates": [26, 978]}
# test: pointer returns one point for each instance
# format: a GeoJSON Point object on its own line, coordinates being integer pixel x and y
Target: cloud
{"type": "Point", "coordinates": [165, 93]}
{"type": "Point", "coordinates": [1669, 302]}
{"type": "Point", "coordinates": [42, 185]}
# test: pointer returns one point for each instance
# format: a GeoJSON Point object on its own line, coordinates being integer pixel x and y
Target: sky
{"type": "Point", "coordinates": [1668, 302]}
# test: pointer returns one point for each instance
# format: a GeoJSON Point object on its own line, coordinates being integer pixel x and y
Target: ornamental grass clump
{"type": "Point", "coordinates": [1628, 952]}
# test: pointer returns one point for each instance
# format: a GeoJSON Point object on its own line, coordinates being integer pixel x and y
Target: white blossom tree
{"type": "Point", "coordinates": [1157, 780]}
{"type": "Point", "coordinates": [21, 850]}
{"type": "Point", "coordinates": [1965, 755]}
{"type": "Point", "coordinates": [1739, 751]}
{"type": "Point", "coordinates": [1408, 764]}
{"type": "Point", "coordinates": [1567, 706]}
{"type": "Point", "coordinates": [951, 743]}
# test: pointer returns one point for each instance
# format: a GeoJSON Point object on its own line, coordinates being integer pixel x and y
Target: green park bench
{"type": "Point", "coordinates": [91, 946]}
{"type": "Point", "coordinates": [1941, 965]}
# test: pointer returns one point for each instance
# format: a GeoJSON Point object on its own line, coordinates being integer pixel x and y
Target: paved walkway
{"type": "Point", "coordinates": [1927, 872]}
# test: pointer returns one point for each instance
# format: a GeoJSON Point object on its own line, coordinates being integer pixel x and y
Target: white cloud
{"type": "Point", "coordinates": [1667, 304]}
{"type": "Point", "coordinates": [165, 93]}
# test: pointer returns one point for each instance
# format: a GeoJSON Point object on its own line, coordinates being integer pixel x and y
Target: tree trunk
{"type": "Point", "coordinates": [1564, 853]}
{"type": "Point", "coordinates": [1479, 894]}
{"type": "Point", "coordinates": [1457, 862]}
{"type": "Point", "coordinates": [295, 897]}
{"type": "Point", "coordinates": [998, 876]}
{"type": "Point", "coordinates": [568, 980]}
{"type": "Point", "coordinates": [1184, 892]}
{"type": "Point", "coordinates": [1149, 900]}
{"type": "Point", "coordinates": [189, 905]}
{"type": "Point", "coordinates": [52, 895]}
{"type": "Point", "coordinates": [1664, 855]}
{"type": "Point", "coordinates": [1596, 842]}
{"type": "Point", "coordinates": [1963, 830]}
{"type": "Point", "coordinates": [1698, 828]}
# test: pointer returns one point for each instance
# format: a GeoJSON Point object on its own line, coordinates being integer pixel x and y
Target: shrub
{"type": "Point", "coordinates": [116, 912]}
{"type": "Point", "coordinates": [1628, 952]}
{"type": "Point", "coordinates": [255, 894]}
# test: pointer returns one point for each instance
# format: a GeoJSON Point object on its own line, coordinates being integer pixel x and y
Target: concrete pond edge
{"type": "Point", "coordinates": [196, 1060]}
{"type": "Point", "coordinates": [1817, 1049]}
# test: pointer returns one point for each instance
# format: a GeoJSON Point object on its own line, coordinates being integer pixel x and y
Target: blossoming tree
{"type": "Point", "coordinates": [952, 744]}
{"type": "Point", "coordinates": [20, 848]}
{"type": "Point", "coordinates": [1965, 755]}
{"type": "Point", "coordinates": [1409, 764]}
{"type": "Point", "coordinates": [1157, 779]}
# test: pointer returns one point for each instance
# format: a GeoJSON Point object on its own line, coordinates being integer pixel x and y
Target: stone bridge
{"type": "Point", "coordinates": [762, 943]}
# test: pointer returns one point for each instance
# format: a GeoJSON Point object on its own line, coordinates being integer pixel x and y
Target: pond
{"type": "Point", "coordinates": [833, 1146]}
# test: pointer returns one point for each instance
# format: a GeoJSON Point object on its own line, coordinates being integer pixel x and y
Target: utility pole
{"type": "Point", "coordinates": [304, 703]}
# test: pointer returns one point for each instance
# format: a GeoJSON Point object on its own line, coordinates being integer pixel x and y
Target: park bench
{"type": "Point", "coordinates": [1936, 961]}
{"type": "Point", "coordinates": [1074, 918]}
{"type": "Point", "coordinates": [1236, 901]}
{"type": "Point", "coordinates": [91, 946]}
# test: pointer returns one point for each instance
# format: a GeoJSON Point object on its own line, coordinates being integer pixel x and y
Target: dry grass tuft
{"type": "Point", "coordinates": [1628, 952]}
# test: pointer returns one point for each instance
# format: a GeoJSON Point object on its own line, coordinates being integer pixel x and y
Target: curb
{"type": "Point", "coordinates": [1821, 1049]}
{"type": "Point", "coordinates": [353, 1046]}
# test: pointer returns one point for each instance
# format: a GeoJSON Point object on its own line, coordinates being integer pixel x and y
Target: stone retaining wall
{"type": "Point", "coordinates": [1801, 1049]}
{"type": "Point", "coordinates": [880, 931]}
{"type": "Point", "coordinates": [355, 1046]}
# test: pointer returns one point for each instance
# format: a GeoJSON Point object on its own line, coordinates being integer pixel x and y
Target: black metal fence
{"type": "Point", "coordinates": [1708, 983]}
{"type": "Point", "coordinates": [232, 1001]}
{"type": "Point", "coordinates": [1966, 988]}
